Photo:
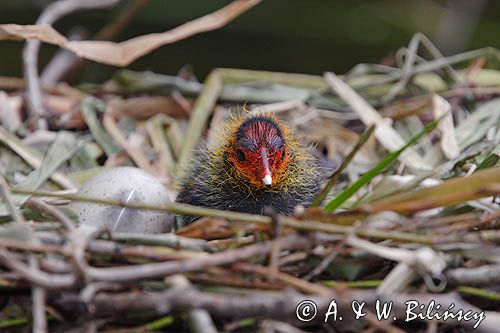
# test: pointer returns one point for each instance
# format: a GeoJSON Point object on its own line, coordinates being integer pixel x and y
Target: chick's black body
{"type": "Point", "coordinates": [213, 180]}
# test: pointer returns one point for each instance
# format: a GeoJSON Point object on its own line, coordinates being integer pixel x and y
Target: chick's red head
{"type": "Point", "coordinates": [259, 151]}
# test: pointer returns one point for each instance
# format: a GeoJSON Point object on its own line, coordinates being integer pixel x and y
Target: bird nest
{"type": "Point", "coordinates": [403, 236]}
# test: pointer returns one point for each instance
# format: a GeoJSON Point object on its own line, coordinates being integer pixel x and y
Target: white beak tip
{"type": "Point", "coordinates": [267, 180]}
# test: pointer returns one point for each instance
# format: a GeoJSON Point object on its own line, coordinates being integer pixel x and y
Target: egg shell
{"type": "Point", "coordinates": [131, 185]}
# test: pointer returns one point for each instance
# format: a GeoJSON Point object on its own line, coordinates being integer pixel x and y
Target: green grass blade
{"type": "Point", "coordinates": [491, 160]}
{"type": "Point", "coordinates": [487, 294]}
{"type": "Point", "coordinates": [376, 170]}
{"type": "Point", "coordinates": [160, 323]}
{"type": "Point", "coordinates": [335, 176]}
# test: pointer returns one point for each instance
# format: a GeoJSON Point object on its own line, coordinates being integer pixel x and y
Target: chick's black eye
{"type": "Point", "coordinates": [283, 154]}
{"type": "Point", "coordinates": [240, 155]}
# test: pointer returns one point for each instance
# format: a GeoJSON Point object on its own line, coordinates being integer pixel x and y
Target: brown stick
{"type": "Point", "coordinates": [40, 205]}
{"type": "Point", "coordinates": [38, 294]}
{"type": "Point", "coordinates": [483, 275]}
{"type": "Point", "coordinates": [304, 286]}
{"type": "Point", "coordinates": [128, 273]}
{"type": "Point", "coordinates": [152, 270]}
{"type": "Point", "coordinates": [280, 305]}
{"type": "Point", "coordinates": [36, 276]}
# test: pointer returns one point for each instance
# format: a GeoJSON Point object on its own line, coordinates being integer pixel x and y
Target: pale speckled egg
{"type": "Point", "coordinates": [127, 184]}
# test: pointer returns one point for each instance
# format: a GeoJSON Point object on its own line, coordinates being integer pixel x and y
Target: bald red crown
{"type": "Point", "coordinates": [259, 131]}
{"type": "Point", "coordinates": [259, 151]}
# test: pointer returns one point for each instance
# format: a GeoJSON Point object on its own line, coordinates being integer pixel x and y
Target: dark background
{"type": "Point", "coordinates": [308, 36]}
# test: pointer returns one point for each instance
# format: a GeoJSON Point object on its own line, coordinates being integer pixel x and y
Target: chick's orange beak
{"type": "Point", "coordinates": [268, 178]}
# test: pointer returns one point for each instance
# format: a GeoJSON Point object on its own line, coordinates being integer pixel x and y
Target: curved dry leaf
{"type": "Point", "coordinates": [454, 191]}
{"type": "Point", "coordinates": [385, 133]}
{"type": "Point", "coordinates": [124, 53]}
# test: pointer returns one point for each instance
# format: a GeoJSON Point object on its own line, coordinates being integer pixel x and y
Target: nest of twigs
{"type": "Point", "coordinates": [408, 217]}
